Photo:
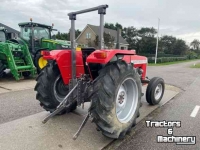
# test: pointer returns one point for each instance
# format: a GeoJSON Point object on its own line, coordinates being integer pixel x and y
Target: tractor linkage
{"type": "Point", "coordinates": [80, 86]}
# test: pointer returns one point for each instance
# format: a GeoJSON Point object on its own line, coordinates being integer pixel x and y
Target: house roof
{"type": "Point", "coordinates": [9, 29]}
{"type": "Point", "coordinates": [110, 31]}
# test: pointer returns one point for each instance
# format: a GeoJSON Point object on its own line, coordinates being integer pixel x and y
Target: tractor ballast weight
{"type": "Point", "coordinates": [110, 79]}
{"type": "Point", "coordinates": [17, 58]}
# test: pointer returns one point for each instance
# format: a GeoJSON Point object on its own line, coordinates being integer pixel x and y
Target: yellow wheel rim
{"type": "Point", "coordinates": [42, 62]}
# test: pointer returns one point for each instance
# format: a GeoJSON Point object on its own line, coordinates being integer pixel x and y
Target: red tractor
{"type": "Point", "coordinates": [110, 79]}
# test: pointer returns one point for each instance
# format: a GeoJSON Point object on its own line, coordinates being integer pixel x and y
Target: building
{"type": "Point", "coordinates": [12, 33]}
{"type": "Point", "coordinates": [89, 33]}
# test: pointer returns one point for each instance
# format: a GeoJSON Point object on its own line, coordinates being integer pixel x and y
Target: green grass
{"type": "Point", "coordinates": [195, 66]}
{"type": "Point", "coordinates": [170, 63]}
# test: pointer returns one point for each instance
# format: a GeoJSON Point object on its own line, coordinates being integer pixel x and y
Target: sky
{"type": "Point", "coordinates": [180, 18]}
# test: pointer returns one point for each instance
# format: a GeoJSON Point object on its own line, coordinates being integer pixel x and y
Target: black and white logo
{"type": "Point", "coordinates": [170, 125]}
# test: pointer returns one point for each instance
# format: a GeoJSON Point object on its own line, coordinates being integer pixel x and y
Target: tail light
{"type": "Point", "coordinates": [45, 53]}
{"type": "Point", "coordinates": [100, 55]}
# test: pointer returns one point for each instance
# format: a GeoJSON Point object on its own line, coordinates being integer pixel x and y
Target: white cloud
{"type": "Point", "coordinates": [179, 18]}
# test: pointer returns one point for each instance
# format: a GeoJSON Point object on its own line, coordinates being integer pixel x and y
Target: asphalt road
{"type": "Point", "coordinates": [178, 109]}
{"type": "Point", "coordinates": [18, 104]}
{"type": "Point", "coordinates": [15, 105]}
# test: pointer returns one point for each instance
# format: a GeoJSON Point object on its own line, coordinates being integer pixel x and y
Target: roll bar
{"type": "Point", "coordinates": [72, 16]}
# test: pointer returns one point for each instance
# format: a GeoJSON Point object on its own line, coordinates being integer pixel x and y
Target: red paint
{"type": "Point", "coordinates": [63, 59]}
{"type": "Point", "coordinates": [129, 55]}
{"type": "Point", "coordinates": [109, 53]}
{"type": "Point", "coordinates": [139, 62]}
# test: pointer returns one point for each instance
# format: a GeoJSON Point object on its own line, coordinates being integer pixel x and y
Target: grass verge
{"type": "Point", "coordinates": [170, 63]}
{"type": "Point", "coordinates": [197, 65]}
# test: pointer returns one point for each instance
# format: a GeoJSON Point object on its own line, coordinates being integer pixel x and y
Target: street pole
{"type": "Point", "coordinates": [157, 41]}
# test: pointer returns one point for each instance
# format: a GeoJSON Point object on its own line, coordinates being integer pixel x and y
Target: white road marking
{"type": "Point", "coordinates": [195, 111]}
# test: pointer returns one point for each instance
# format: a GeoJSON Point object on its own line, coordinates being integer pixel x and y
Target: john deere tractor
{"type": "Point", "coordinates": [38, 37]}
{"type": "Point", "coordinates": [16, 57]}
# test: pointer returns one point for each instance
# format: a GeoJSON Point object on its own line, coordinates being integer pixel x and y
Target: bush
{"type": "Point", "coordinates": [192, 55]}
{"type": "Point", "coordinates": [160, 54]}
{"type": "Point", "coordinates": [166, 59]}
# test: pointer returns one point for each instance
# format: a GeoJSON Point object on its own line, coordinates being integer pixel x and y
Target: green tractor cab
{"type": "Point", "coordinates": [39, 37]}
{"type": "Point", "coordinates": [16, 57]}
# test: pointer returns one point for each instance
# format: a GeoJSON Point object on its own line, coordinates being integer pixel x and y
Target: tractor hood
{"type": "Point", "coordinates": [55, 44]}
{"type": "Point", "coordinates": [67, 44]}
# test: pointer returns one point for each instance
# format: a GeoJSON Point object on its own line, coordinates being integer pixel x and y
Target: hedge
{"type": "Point", "coordinates": [166, 59]}
{"type": "Point", "coordinates": [159, 55]}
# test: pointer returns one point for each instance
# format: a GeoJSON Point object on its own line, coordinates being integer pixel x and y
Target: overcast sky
{"type": "Point", "coordinates": [179, 18]}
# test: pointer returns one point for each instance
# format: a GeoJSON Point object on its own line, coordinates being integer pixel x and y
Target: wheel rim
{"type": "Point", "coordinates": [42, 62]}
{"type": "Point", "coordinates": [127, 100]}
{"type": "Point", "coordinates": [158, 91]}
{"type": "Point", "coordinates": [60, 90]}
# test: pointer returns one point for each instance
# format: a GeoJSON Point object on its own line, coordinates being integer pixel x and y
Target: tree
{"type": "Point", "coordinates": [147, 45]}
{"type": "Point", "coordinates": [66, 36]}
{"type": "Point", "coordinates": [110, 26]}
{"type": "Point", "coordinates": [130, 34]}
{"type": "Point", "coordinates": [195, 44]}
{"type": "Point", "coordinates": [147, 32]}
{"type": "Point", "coordinates": [146, 40]}
{"type": "Point", "coordinates": [114, 27]}
{"type": "Point", "coordinates": [118, 26]}
{"type": "Point", "coordinates": [180, 47]}
{"type": "Point", "coordinates": [61, 36]}
{"type": "Point", "coordinates": [167, 44]}
{"type": "Point", "coordinates": [108, 40]}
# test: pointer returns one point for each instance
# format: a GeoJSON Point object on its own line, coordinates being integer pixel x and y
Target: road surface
{"type": "Point", "coordinates": [178, 109]}
{"type": "Point", "coordinates": [19, 104]}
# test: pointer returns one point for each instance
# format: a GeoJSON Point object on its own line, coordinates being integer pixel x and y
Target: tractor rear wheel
{"type": "Point", "coordinates": [51, 89]}
{"type": "Point", "coordinates": [39, 62]}
{"type": "Point", "coordinates": [2, 68]}
{"type": "Point", "coordinates": [115, 99]}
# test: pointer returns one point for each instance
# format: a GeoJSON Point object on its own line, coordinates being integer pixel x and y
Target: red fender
{"type": "Point", "coordinates": [63, 59]}
{"type": "Point", "coordinates": [106, 55]}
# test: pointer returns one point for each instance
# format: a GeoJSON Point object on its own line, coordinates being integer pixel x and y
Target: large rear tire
{"type": "Point", "coordinates": [115, 99]}
{"type": "Point", "coordinates": [51, 89]}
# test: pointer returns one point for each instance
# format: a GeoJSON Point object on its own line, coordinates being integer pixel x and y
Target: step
{"type": "Point", "coordinates": [24, 67]}
{"type": "Point", "coordinates": [19, 61]}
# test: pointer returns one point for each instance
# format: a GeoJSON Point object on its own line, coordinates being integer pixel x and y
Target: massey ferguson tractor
{"type": "Point", "coordinates": [111, 80]}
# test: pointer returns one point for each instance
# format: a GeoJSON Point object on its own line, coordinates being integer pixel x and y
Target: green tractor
{"type": "Point", "coordinates": [16, 57]}
{"type": "Point", "coordinates": [38, 37]}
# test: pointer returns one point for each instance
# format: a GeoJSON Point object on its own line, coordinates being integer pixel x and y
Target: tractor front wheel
{"type": "Point", "coordinates": [51, 89]}
{"type": "Point", "coordinates": [155, 90]}
{"type": "Point", "coordinates": [115, 99]}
